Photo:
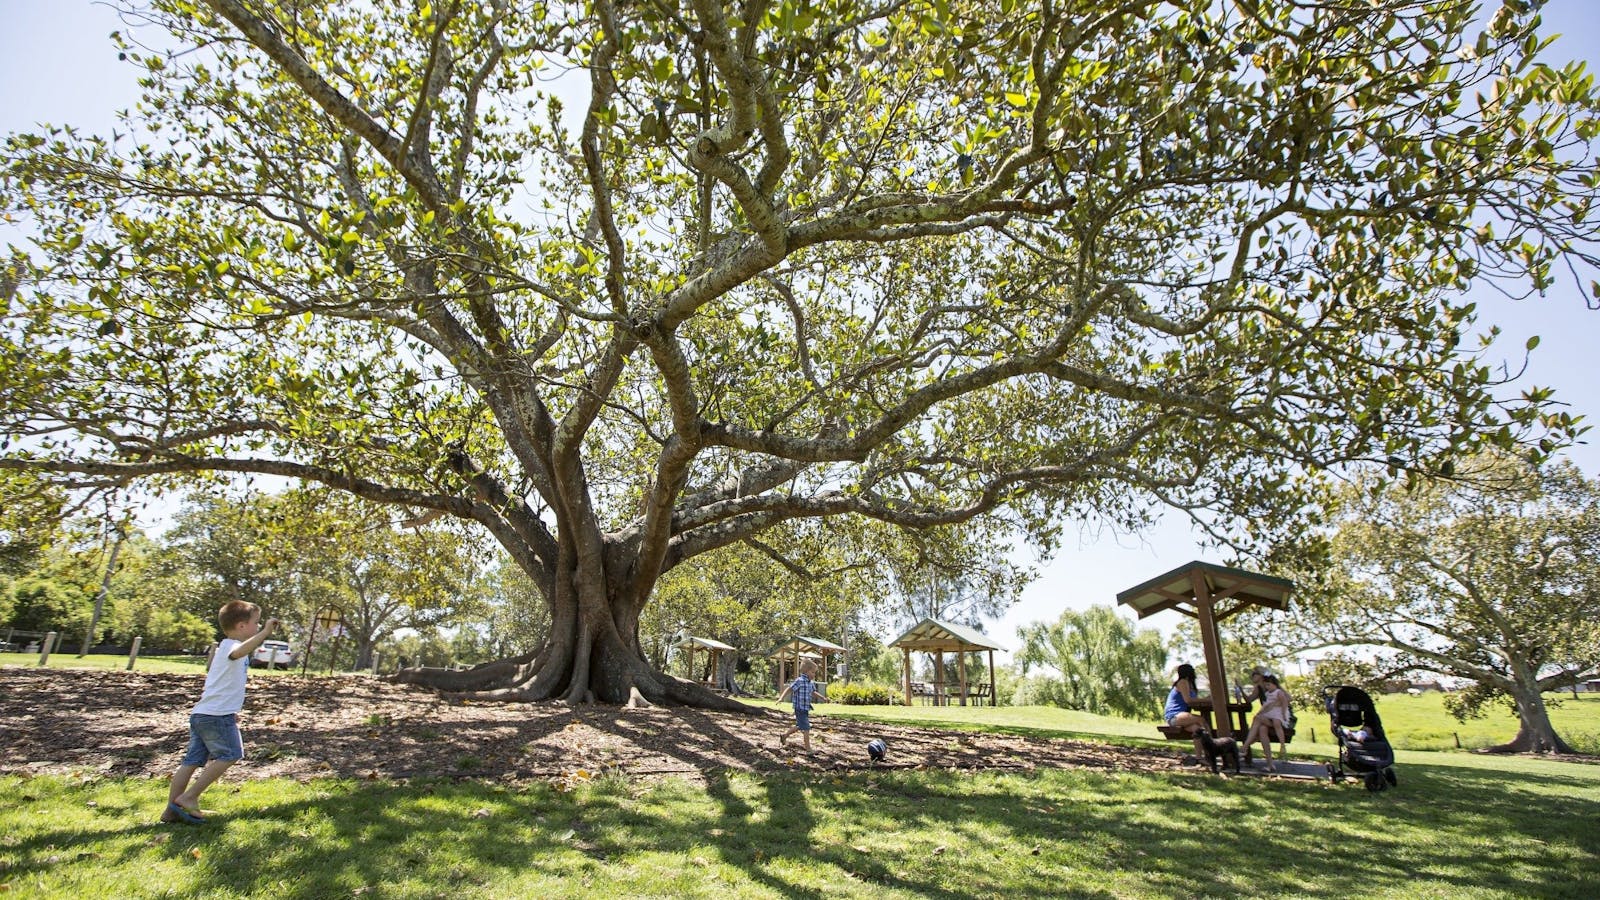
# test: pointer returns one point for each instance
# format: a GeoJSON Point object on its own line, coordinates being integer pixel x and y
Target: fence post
{"type": "Point", "coordinates": [133, 655]}
{"type": "Point", "coordinates": [210, 652]}
{"type": "Point", "coordinates": [44, 649]}
{"type": "Point", "coordinates": [375, 657]}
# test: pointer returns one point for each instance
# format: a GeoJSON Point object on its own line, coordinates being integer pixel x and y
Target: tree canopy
{"type": "Point", "coordinates": [628, 283]}
{"type": "Point", "coordinates": [1497, 585]}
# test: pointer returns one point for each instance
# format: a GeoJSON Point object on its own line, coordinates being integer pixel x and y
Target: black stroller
{"type": "Point", "coordinates": [1363, 748]}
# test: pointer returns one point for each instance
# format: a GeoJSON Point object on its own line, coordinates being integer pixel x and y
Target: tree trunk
{"type": "Point", "coordinates": [364, 647]}
{"type": "Point", "coordinates": [727, 674]}
{"type": "Point", "coordinates": [591, 654]}
{"type": "Point", "coordinates": [1534, 733]}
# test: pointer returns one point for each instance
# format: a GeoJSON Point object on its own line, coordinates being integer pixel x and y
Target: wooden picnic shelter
{"type": "Point", "coordinates": [1210, 593]}
{"type": "Point", "coordinates": [789, 654]}
{"type": "Point", "coordinates": [711, 648]}
{"type": "Point", "coordinates": [938, 638]}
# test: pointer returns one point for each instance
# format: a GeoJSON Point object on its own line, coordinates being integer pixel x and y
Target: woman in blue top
{"type": "Point", "coordinates": [1178, 712]}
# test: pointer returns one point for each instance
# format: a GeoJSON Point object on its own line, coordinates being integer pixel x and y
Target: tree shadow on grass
{"type": "Point", "coordinates": [934, 834]}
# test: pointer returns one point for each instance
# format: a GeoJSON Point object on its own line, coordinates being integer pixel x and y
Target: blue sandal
{"type": "Point", "coordinates": [183, 815]}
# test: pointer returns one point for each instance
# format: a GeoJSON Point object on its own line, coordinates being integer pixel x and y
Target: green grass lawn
{"type": "Point", "coordinates": [1448, 831]}
{"type": "Point", "coordinates": [1459, 825]}
{"type": "Point", "coordinates": [182, 665]}
{"type": "Point", "coordinates": [1412, 722]}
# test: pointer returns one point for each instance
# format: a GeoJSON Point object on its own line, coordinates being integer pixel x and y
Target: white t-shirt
{"type": "Point", "coordinates": [224, 691]}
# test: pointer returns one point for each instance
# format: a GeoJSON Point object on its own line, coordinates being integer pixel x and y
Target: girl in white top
{"type": "Point", "coordinates": [1273, 719]}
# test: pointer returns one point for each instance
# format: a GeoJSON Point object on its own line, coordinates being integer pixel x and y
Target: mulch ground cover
{"type": "Point", "coordinates": [135, 724]}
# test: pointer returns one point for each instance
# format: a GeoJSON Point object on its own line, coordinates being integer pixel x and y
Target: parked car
{"type": "Point", "coordinates": [272, 653]}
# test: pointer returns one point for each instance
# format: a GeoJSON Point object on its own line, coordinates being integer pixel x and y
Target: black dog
{"type": "Point", "coordinates": [1220, 749]}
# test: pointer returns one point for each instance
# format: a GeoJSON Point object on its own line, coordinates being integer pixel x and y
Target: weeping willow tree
{"type": "Point", "coordinates": [625, 284]}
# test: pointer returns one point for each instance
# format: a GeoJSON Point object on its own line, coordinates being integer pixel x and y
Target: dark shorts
{"type": "Point", "coordinates": [213, 739]}
{"type": "Point", "coordinates": [802, 719]}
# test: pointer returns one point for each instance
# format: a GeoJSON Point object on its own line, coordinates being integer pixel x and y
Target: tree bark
{"type": "Point", "coordinates": [1534, 733]}
{"type": "Point", "coordinates": [591, 655]}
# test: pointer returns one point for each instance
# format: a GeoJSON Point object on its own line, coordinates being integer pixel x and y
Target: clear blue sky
{"type": "Point", "coordinates": [58, 66]}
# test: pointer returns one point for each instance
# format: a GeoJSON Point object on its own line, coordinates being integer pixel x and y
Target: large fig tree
{"type": "Point", "coordinates": [1496, 582]}
{"type": "Point", "coordinates": [629, 283]}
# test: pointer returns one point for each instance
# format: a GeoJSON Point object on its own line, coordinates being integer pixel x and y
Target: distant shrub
{"type": "Point", "coordinates": [860, 694]}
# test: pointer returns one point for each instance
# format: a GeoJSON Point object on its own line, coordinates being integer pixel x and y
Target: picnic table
{"type": "Point", "coordinates": [1240, 711]}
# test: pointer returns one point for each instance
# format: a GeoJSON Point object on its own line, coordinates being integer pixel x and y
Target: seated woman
{"type": "Point", "coordinates": [1271, 721]}
{"type": "Point", "coordinates": [1178, 712]}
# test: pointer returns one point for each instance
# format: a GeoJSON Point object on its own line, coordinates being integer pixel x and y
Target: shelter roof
{"type": "Point", "coordinates": [802, 645]}
{"type": "Point", "coordinates": [935, 636]}
{"type": "Point", "coordinates": [689, 640]}
{"type": "Point", "coordinates": [1230, 590]}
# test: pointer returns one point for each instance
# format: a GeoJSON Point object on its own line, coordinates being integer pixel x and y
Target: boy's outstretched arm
{"type": "Point", "coordinates": [248, 646]}
{"type": "Point", "coordinates": [785, 692]}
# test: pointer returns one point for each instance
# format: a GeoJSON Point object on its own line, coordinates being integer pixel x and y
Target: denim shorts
{"type": "Point", "coordinates": [213, 739]}
{"type": "Point", "coordinates": [802, 719]}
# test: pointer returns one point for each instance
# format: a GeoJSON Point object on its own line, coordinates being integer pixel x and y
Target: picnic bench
{"type": "Point", "coordinates": [1174, 733]}
{"type": "Point", "coordinates": [938, 693]}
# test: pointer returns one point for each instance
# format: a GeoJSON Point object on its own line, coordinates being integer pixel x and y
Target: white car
{"type": "Point", "coordinates": [273, 653]}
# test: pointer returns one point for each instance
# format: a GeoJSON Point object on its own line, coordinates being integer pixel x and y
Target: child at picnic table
{"type": "Point", "coordinates": [214, 741]}
{"type": "Point", "coordinates": [801, 692]}
{"type": "Point", "coordinates": [1271, 720]}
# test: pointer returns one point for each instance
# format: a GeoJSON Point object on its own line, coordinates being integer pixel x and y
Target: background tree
{"type": "Point", "coordinates": [518, 620]}
{"type": "Point", "coordinates": [1496, 585]}
{"type": "Point", "coordinates": [387, 578]}
{"type": "Point", "coordinates": [1310, 691]}
{"type": "Point", "coordinates": [1106, 665]}
{"type": "Point", "coordinates": [920, 263]}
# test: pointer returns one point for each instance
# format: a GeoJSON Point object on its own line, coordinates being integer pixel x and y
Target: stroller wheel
{"type": "Point", "coordinates": [1388, 775]}
{"type": "Point", "coordinates": [1375, 782]}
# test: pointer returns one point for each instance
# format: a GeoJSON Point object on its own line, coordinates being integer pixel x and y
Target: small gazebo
{"type": "Point", "coordinates": [789, 654]}
{"type": "Point", "coordinates": [937, 637]}
{"type": "Point", "coordinates": [1209, 593]}
{"type": "Point", "coordinates": [712, 649]}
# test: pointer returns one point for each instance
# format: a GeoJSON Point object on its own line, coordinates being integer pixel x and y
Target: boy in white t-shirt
{"type": "Point", "coordinates": [214, 741]}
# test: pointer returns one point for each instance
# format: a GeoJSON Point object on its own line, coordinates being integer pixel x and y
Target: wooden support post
{"type": "Point", "coordinates": [905, 672]}
{"type": "Point", "coordinates": [994, 688]}
{"type": "Point", "coordinates": [375, 657]}
{"type": "Point", "coordinates": [961, 658]}
{"type": "Point", "coordinates": [133, 655]}
{"type": "Point", "coordinates": [1211, 640]}
{"type": "Point", "coordinates": [44, 648]}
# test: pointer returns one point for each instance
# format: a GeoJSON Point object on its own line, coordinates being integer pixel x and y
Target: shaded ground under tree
{"type": "Point", "coordinates": [135, 724]}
